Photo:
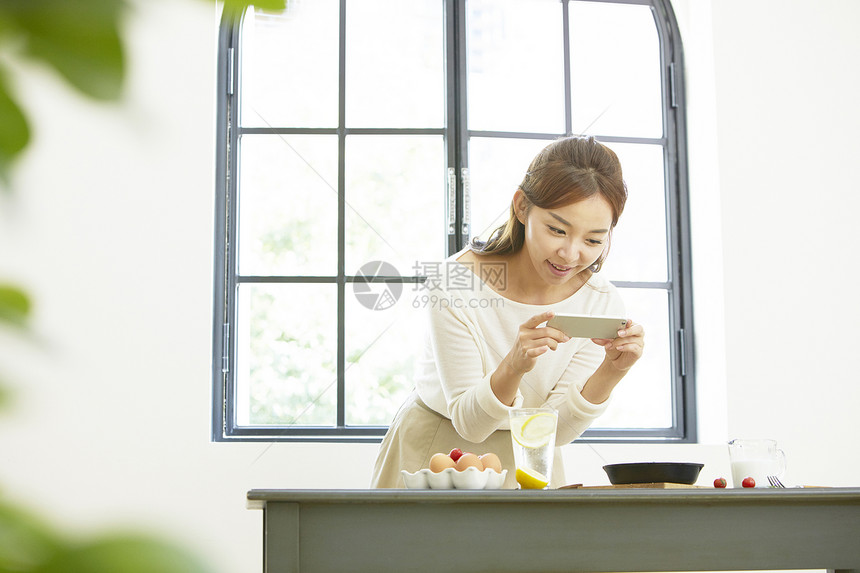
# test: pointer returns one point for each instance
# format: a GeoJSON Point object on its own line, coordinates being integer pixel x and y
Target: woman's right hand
{"type": "Point", "coordinates": [532, 341]}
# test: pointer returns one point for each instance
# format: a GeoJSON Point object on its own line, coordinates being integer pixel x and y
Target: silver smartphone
{"type": "Point", "coordinates": [584, 326]}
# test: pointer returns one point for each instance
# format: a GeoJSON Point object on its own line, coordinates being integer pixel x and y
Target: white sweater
{"type": "Point", "coordinates": [470, 330]}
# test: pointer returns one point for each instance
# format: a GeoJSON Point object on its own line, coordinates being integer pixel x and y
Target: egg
{"type": "Point", "coordinates": [468, 460]}
{"type": "Point", "coordinates": [440, 462]}
{"type": "Point", "coordinates": [491, 461]}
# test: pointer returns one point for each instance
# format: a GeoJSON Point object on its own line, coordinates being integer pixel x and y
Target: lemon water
{"type": "Point", "coordinates": [533, 438]}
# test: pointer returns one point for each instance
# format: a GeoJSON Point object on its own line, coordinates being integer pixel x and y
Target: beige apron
{"type": "Point", "coordinates": [417, 432]}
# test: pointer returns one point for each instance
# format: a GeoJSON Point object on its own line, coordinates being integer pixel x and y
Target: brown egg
{"type": "Point", "coordinates": [491, 461]}
{"type": "Point", "coordinates": [468, 461]}
{"type": "Point", "coordinates": [440, 462]}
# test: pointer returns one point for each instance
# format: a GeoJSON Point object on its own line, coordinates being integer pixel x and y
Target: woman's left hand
{"type": "Point", "coordinates": [624, 351]}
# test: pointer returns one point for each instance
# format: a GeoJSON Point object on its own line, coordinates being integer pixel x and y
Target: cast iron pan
{"type": "Point", "coordinates": [653, 472]}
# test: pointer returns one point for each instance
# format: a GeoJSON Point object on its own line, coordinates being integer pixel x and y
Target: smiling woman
{"type": "Point", "coordinates": [344, 141]}
{"type": "Point", "coordinates": [555, 179]}
{"type": "Point", "coordinates": [476, 365]}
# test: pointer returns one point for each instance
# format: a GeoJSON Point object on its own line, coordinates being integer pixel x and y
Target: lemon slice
{"type": "Point", "coordinates": [530, 479]}
{"type": "Point", "coordinates": [536, 431]}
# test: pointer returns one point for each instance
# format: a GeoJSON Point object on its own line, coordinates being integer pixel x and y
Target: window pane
{"type": "Point", "coordinates": [395, 63]}
{"type": "Point", "coordinates": [643, 399]}
{"type": "Point", "coordinates": [496, 168]}
{"type": "Point", "coordinates": [288, 205]}
{"type": "Point", "coordinates": [638, 250]}
{"type": "Point", "coordinates": [289, 66]}
{"type": "Point", "coordinates": [286, 336]}
{"type": "Point", "coordinates": [286, 355]}
{"type": "Point", "coordinates": [515, 65]}
{"type": "Point", "coordinates": [615, 70]}
{"type": "Point", "coordinates": [381, 347]}
{"type": "Point", "coordinates": [395, 195]}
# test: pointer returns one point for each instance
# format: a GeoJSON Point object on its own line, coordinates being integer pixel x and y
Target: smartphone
{"type": "Point", "coordinates": [584, 326]}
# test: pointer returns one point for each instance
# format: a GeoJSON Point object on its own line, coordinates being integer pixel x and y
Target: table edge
{"type": "Point", "coordinates": [257, 498]}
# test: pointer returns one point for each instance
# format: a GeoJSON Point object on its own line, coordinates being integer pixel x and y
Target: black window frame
{"type": "Point", "coordinates": [456, 136]}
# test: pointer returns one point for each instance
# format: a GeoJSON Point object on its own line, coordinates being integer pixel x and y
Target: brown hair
{"type": "Point", "coordinates": [566, 171]}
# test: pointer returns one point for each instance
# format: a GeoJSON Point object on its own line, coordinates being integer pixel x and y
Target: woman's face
{"type": "Point", "coordinates": [565, 241]}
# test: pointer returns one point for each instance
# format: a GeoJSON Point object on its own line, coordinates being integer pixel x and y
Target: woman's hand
{"type": "Point", "coordinates": [624, 351]}
{"type": "Point", "coordinates": [533, 341]}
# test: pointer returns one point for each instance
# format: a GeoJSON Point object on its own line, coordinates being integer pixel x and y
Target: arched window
{"type": "Point", "coordinates": [374, 138]}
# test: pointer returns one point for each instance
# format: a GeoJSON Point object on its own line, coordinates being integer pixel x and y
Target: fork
{"type": "Point", "coordinates": [774, 481]}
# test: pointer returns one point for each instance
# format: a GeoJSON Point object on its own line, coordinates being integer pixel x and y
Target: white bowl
{"type": "Point", "coordinates": [449, 478]}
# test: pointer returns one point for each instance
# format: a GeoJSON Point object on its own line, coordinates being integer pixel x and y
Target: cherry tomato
{"type": "Point", "coordinates": [456, 453]}
{"type": "Point", "coordinates": [720, 482]}
{"type": "Point", "coordinates": [748, 482]}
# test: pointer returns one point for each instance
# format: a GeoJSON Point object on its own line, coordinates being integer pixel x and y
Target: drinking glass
{"type": "Point", "coordinates": [533, 437]}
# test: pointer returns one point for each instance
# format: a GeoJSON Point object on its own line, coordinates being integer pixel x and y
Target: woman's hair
{"type": "Point", "coordinates": [566, 171]}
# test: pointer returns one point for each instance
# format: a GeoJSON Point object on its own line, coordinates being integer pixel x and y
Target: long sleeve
{"type": "Point", "coordinates": [575, 413]}
{"type": "Point", "coordinates": [466, 357]}
{"type": "Point", "coordinates": [469, 335]}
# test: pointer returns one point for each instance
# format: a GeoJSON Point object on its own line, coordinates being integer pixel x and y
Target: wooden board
{"type": "Point", "coordinates": [662, 485]}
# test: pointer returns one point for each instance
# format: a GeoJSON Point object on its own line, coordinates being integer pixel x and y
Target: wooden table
{"type": "Point", "coordinates": [502, 531]}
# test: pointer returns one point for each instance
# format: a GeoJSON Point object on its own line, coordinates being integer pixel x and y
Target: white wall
{"type": "Point", "coordinates": [788, 154]}
{"type": "Point", "coordinates": [110, 229]}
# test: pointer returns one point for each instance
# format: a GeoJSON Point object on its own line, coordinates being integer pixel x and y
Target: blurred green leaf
{"type": "Point", "coordinates": [4, 401]}
{"type": "Point", "coordinates": [273, 5]}
{"type": "Point", "coordinates": [15, 132]}
{"type": "Point", "coordinates": [120, 553]}
{"type": "Point", "coordinates": [25, 542]}
{"type": "Point", "coordinates": [80, 40]}
{"type": "Point", "coordinates": [14, 305]}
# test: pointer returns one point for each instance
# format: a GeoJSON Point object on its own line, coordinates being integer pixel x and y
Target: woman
{"type": "Point", "coordinates": [488, 348]}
